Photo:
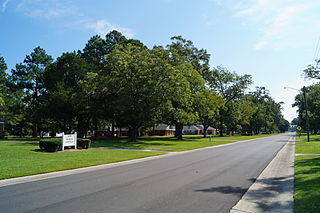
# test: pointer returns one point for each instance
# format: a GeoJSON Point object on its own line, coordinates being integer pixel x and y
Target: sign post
{"type": "Point", "coordinates": [69, 140]}
{"type": "Point", "coordinates": [299, 128]}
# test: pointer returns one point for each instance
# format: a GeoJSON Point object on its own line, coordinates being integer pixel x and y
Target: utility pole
{"type": "Point", "coordinates": [307, 116]}
{"type": "Point", "coordinates": [304, 90]}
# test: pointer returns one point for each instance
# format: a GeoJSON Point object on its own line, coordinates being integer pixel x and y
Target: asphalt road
{"type": "Point", "coordinates": [210, 180]}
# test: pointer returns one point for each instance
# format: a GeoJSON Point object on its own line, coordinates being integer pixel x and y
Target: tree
{"type": "Point", "coordinates": [66, 105]}
{"type": "Point", "coordinates": [12, 108]}
{"type": "Point", "coordinates": [28, 76]}
{"type": "Point", "coordinates": [240, 113]}
{"type": "Point", "coordinates": [295, 121]}
{"type": "Point", "coordinates": [95, 53]}
{"type": "Point", "coordinates": [207, 104]}
{"type": "Point", "coordinates": [3, 80]}
{"type": "Point", "coordinates": [198, 58]}
{"type": "Point", "coordinates": [313, 71]}
{"type": "Point", "coordinates": [230, 86]}
{"type": "Point", "coordinates": [313, 102]}
{"type": "Point", "coordinates": [267, 117]}
{"type": "Point", "coordinates": [188, 63]}
{"type": "Point", "coordinates": [138, 80]}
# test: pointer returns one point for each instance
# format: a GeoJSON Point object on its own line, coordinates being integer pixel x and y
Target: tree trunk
{"type": "Point", "coordinates": [205, 127]}
{"type": "Point", "coordinates": [178, 133]}
{"type": "Point", "coordinates": [52, 134]}
{"type": "Point", "coordinates": [35, 131]}
{"type": "Point", "coordinates": [112, 129]}
{"type": "Point", "coordinates": [221, 128]}
{"type": "Point", "coordinates": [133, 134]}
{"type": "Point", "coordinates": [154, 129]}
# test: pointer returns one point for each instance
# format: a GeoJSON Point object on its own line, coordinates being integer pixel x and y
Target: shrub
{"type": "Point", "coordinates": [54, 145]}
{"type": "Point", "coordinates": [51, 145]}
{"type": "Point", "coordinates": [83, 143]}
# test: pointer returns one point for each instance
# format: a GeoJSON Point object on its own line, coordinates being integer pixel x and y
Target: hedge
{"type": "Point", "coordinates": [83, 143]}
{"type": "Point", "coordinates": [54, 145]}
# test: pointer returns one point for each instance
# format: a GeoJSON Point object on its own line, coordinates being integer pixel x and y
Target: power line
{"type": "Point", "coordinates": [317, 51]}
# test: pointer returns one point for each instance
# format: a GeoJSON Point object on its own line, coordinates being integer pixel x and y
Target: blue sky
{"type": "Point", "coordinates": [273, 40]}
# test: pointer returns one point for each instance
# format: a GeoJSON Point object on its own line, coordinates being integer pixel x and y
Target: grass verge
{"type": "Point", "coordinates": [307, 184]}
{"type": "Point", "coordinates": [22, 159]}
{"type": "Point", "coordinates": [307, 175]}
{"type": "Point", "coordinates": [167, 143]}
{"type": "Point", "coordinates": [302, 146]}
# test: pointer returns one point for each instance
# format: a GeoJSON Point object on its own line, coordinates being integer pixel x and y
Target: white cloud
{"type": "Point", "coordinates": [103, 27]}
{"type": "Point", "coordinates": [279, 24]}
{"type": "Point", "coordinates": [68, 14]}
{"type": "Point", "coordinates": [4, 5]}
{"type": "Point", "coordinates": [49, 9]}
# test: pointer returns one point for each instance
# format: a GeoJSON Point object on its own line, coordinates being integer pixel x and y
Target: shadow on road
{"type": "Point", "coordinates": [224, 190]}
{"type": "Point", "coordinates": [271, 187]}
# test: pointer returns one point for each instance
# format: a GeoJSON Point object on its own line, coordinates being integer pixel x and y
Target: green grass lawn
{"type": "Point", "coordinates": [167, 143]}
{"type": "Point", "coordinates": [307, 184]}
{"type": "Point", "coordinates": [22, 159]}
{"type": "Point", "coordinates": [307, 175]}
{"type": "Point", "coordinates": [308, 147]}
{"type": "Point", "coordinates": [240, 137]}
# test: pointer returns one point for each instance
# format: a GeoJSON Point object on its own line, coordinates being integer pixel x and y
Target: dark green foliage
{"type": "Point", "coordinates": [313, 71]}
{"type": "Point", "coordinates": [55, 144]}
{"type": "Point", "coordinates": [83, 143]}
{"type": "Point", "coordinates": [313, 103]}
{"type": "Point", "coordinates": [28, 77]}
{"type": "Point", "coordinates": [231, 87]}
{"type": "Point", "coordinates": [51, 145]}
{"type": "Point", "coordinates": [65, 103]}
{"type": "Point", "coordinates": [119, 82]}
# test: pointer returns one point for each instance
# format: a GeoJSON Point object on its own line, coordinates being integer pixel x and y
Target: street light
{"type": "Point", "coordinates": [304, 90]}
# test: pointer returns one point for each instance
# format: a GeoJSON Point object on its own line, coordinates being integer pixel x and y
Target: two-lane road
{"type": "Point", "coordinates": [210, 180]}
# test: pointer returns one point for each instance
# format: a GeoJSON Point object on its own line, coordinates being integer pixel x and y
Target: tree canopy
{"type": "Point", "coordinates": [119, 82]}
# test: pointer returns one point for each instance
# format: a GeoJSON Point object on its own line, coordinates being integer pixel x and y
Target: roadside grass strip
{"type": "Point", "coordinates": [307, 184]}
{"type": "Point", "coordinates": [167, 143]}
{"type": "Point", "coordinates": [161, 144]}
{"type": "Point", "coordinates": [307, 175]}
{"type": "Point", "coordinates": [302, 146]}
{"type": "Point", "coordinates": [24, 159]}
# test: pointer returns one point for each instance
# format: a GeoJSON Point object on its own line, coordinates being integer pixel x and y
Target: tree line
{"type": "Point", "coordinates": [120, 82]}
{"type": "Point", "coordinates": [311, 102]}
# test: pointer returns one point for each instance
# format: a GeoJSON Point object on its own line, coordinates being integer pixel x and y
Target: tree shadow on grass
{"type": "Point", "coordinates": [128, 145]}
{"type": "Point", "coordinates": [20, 144]}
{"type": "Point", "coordinates": [19, 139]}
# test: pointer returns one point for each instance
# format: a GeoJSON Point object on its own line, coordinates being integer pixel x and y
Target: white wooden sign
{"type": "Point", "coordinates": [69, 140]}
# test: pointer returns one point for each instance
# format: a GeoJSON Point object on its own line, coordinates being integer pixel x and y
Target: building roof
{"type": "Point", "coordinates": [165, 127]}
{"type": "Point", "coordinates": [192, 127]}
{"type": "Point", "coordinates": [209, 128]}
